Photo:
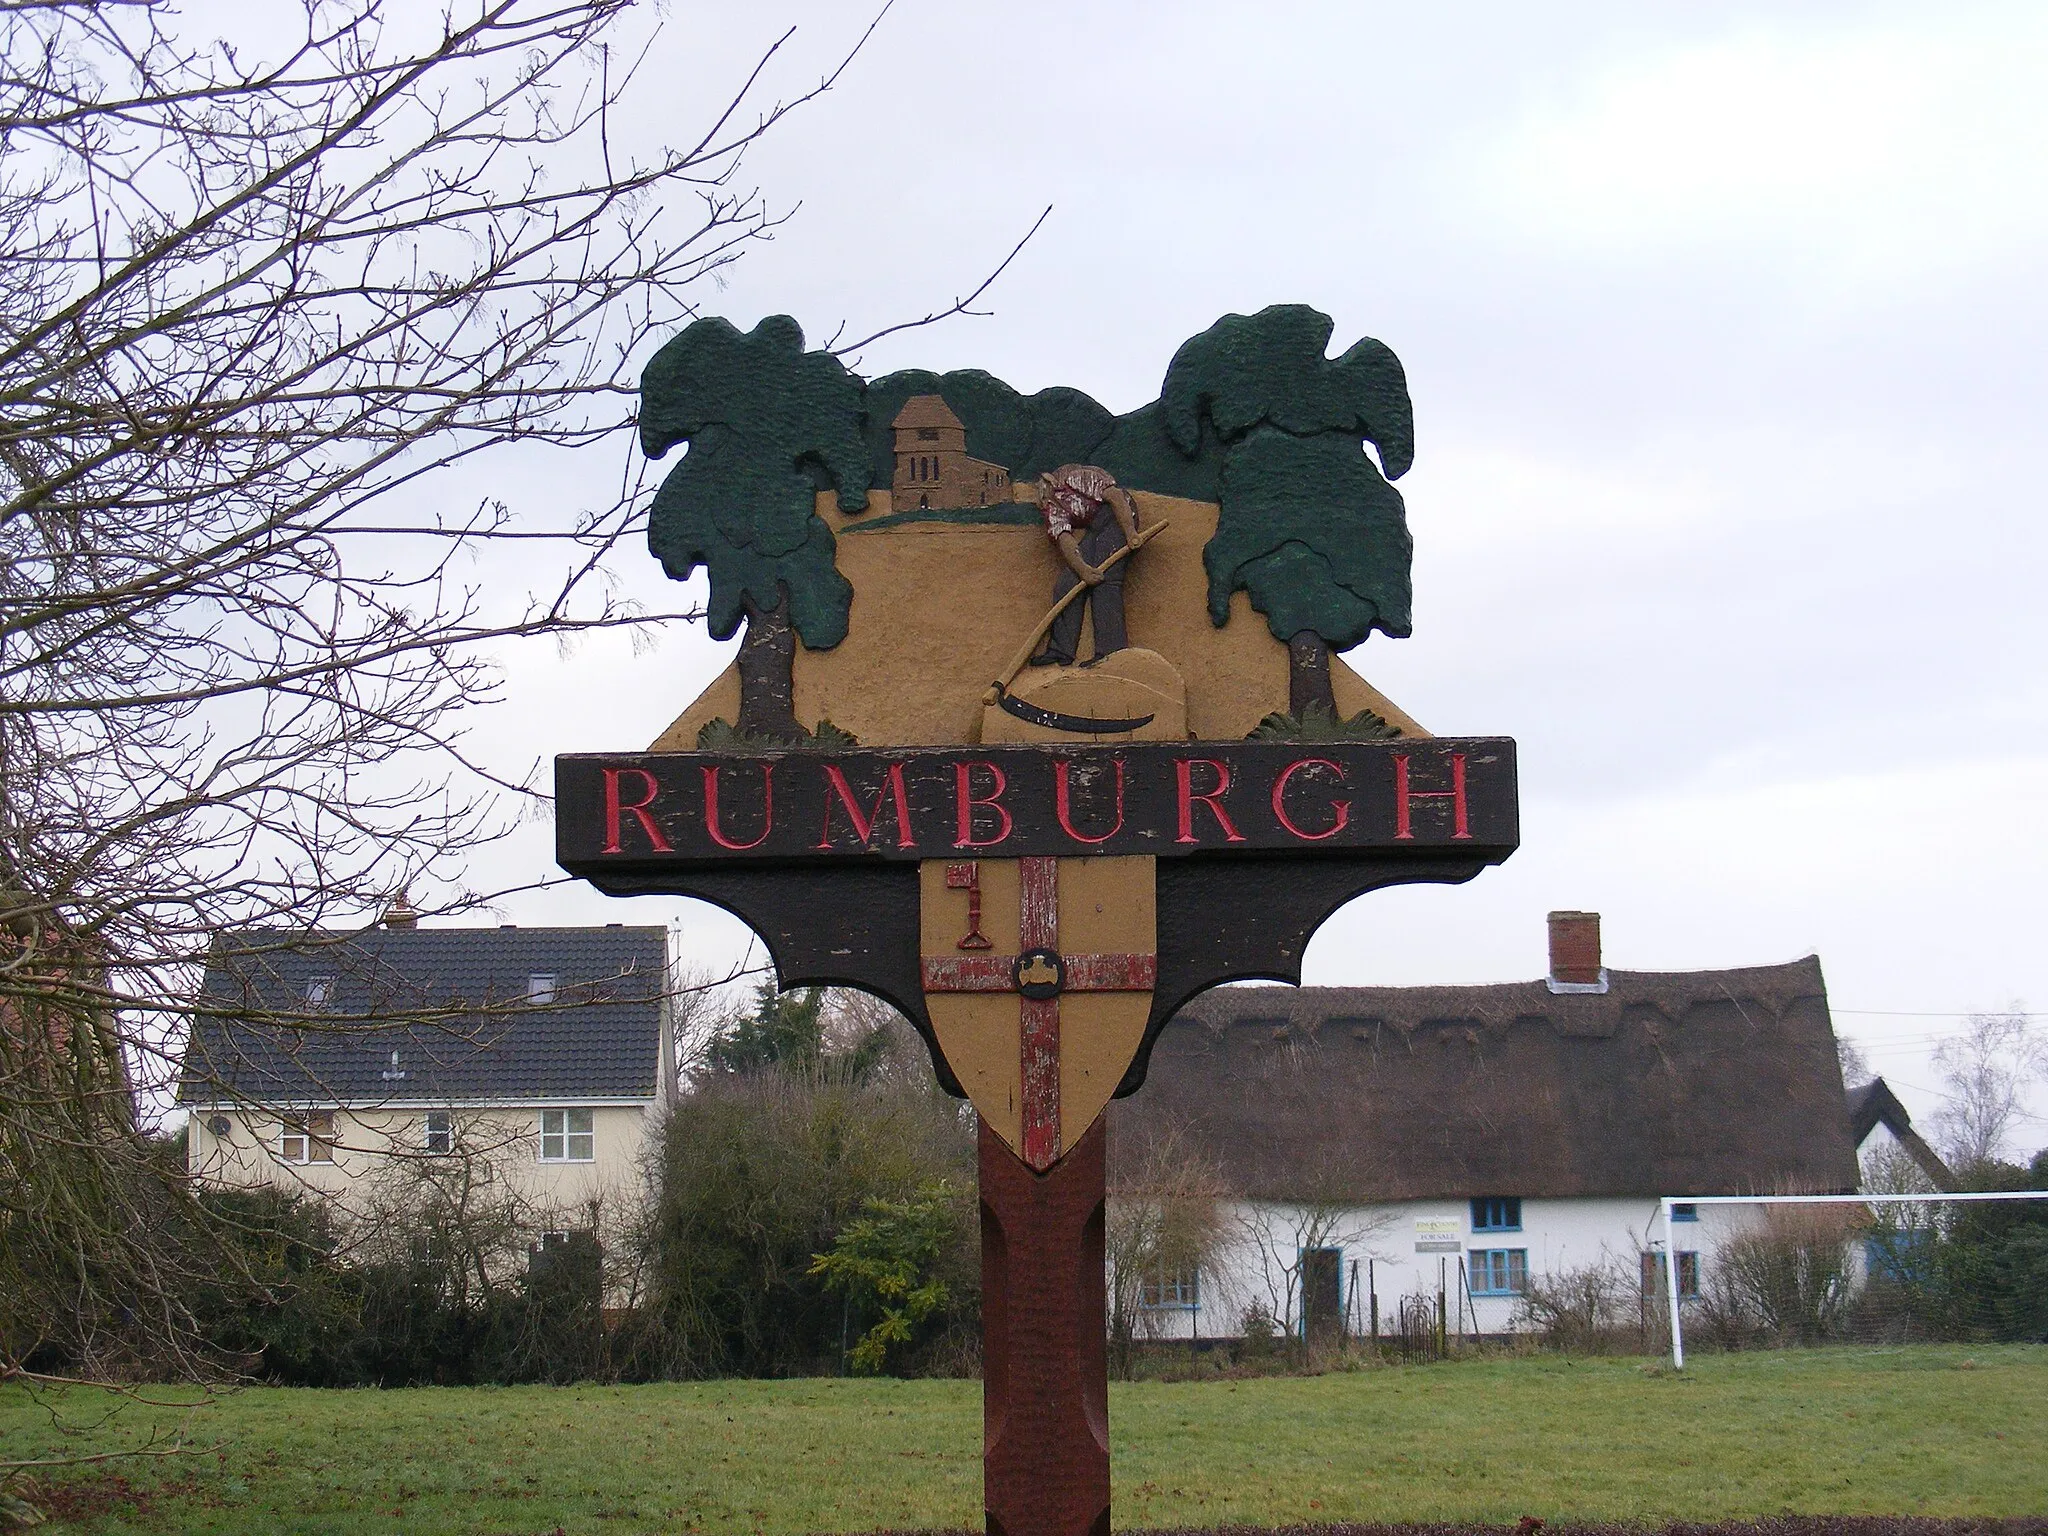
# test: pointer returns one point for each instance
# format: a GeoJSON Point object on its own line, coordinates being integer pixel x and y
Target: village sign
{"type": "Point", "coordinates": [1078, 748]}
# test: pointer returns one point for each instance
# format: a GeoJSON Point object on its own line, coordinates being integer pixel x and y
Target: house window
{"type": "Point", "coordinates": [308, 1141]}
{"type": "Point", "coordinates": [567, 1136]}
{"type": "Point", "coordinates": [438, 1133]}
{"type": "Point", "coordinates": [1655, 1280]}
{"type": "Point", "coordinates": [1181, 1289]}
{"type": "Point", "coordinates": [540, 989]}
{"type": "Point", "coordinates": [1498, 1271]}
{"type": "Point", "coordinates": [319, 991]}
{"type": "Point", "coordinates": [1684, 1210]}
{"type": "Point", "coordinates": [1497, 1213]}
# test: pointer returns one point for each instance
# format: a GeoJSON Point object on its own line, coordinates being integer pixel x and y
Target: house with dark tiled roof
{"type": "Point", "coordinates": [1391, 1144]}
{"type": "Point", "coordinates": [537, 1058]}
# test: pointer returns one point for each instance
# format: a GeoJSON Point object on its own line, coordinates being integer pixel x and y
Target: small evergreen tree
{"type": "Point", "coordinates": [891, 1261]}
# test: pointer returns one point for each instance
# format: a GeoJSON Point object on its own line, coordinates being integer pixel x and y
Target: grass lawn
{"type": "Point", "coordinates": [1905, 1431]}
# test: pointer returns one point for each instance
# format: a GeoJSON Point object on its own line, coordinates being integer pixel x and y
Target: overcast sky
{"type": "Point", "coordinates": [1723, 326]}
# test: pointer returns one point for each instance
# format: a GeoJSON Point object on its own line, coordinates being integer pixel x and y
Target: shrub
{"type": "Point", "coordinates": [1582, 1310]}
{"type": "Point", "coordinates": [760, 1173]}
{"type": "Point", "coordinates": [1788, 1278]}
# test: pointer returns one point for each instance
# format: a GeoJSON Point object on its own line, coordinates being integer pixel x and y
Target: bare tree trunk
{"type": "Point", "coordinates": [1308, 674]}
{"type": "Point", "coordinates": [767, 662]}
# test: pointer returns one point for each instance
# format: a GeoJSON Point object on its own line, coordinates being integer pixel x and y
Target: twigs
{"type": "Point", "coordinates": [259, 303]}
{"type": "Point", "coordinates": [958, 306]}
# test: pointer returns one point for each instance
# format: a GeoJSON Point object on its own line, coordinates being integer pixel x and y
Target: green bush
{"type": "Point", "coordinates": [761, 1172]}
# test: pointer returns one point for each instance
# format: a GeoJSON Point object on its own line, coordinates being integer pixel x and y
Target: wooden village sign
{"type": "Point", "coordinates": [1037, 857]}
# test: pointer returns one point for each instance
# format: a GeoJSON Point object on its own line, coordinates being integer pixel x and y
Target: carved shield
{"type": "Point", "coordinates": [1038, 976]}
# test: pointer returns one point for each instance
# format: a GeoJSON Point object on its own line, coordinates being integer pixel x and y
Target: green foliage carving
{"type": "Point", "coordinates": [1319, 722]}
{"type": "Point", "coordinates": [721, 735]}
{"type": "Point", "coordinates": [1310, 526]}
{"type": "Point", "coordinates": [769, 425]}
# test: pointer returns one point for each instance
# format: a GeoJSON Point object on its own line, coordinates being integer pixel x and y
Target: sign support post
{"type": "Point", "coordinates": [1044, 1350]}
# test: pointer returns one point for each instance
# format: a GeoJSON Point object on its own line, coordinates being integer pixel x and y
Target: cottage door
{"type": "Point", "coordinates": [1322, 1298]}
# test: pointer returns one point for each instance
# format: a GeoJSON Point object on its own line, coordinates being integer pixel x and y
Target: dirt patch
{"type": "Point", "coordinates": [98, 1493]}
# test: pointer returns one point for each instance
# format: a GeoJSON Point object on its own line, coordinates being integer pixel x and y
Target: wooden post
{"type": "Point", "coordinates": [1045, 1360]}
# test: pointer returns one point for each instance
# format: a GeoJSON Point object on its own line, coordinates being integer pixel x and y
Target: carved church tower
{"type": "Point", "coordinates": [932, 467]}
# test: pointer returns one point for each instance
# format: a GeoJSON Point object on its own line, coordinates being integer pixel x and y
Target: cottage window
{"type": "Point", "coordinates": [308, 1141]}
{"type": "Point", "coordinates": [1498, 1271]}
{"type": "Point", "coordinates": [1655, 1280]}
{"type": "Point", "coordinates": [1497, 1213]}
{"type": "Point", "coordinates": [1183, 1288]}
{"type": "Point", "coordinates": [540, 988]}
{"type": "Point", "coordinates": [438, 1133]}
{"type": "Point", "coordinates": [567, 1136]}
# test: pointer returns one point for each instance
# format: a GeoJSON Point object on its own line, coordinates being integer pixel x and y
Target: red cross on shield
{"type": "Point", "coordinates": [1038, 977]}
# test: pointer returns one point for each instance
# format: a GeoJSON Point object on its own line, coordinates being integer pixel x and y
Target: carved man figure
{"type": "Point", "coordinates": [1089, 517]}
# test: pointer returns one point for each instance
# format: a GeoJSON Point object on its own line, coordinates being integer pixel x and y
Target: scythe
{"type": "Point", "coordinates": [998, 692]}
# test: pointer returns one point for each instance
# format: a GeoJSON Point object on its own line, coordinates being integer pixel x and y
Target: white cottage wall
{"type": "Point", "coordinates": [1402, 1249]}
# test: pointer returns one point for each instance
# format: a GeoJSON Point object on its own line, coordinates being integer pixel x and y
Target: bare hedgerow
{"type": "Point", "coordinates": [260, 298]}
{"type": "Point", "coordinates": [1787, 1279]}
{"type": "Point", "coordinates": [1592, 1308]}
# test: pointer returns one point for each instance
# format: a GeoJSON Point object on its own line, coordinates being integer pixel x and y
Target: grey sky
{"type": "Point", "coordinates": [1723, 326]}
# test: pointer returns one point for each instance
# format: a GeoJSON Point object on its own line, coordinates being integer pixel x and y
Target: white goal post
{"type": "Point", "coordinates": [1667, 1202]}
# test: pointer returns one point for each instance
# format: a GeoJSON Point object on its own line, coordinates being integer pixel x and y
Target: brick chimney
{"type": "Point", "coordinates": [400, 913]}
{"type": "Point", "coordinates": [1575, 953]}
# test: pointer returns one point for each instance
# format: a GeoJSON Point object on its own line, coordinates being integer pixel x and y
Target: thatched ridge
{"type": "Point", "coordinates": [1695, 1082]}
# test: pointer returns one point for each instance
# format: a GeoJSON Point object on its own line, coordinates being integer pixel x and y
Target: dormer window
{"type": "Point", "coordinates": [320, 991]}
{"type": "Point", "coordinates": [540, 988]}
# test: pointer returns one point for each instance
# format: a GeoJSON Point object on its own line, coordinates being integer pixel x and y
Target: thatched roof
{"type": "Point", "coordinates": [1873, 1104]}
{"type": "Point", "coordinates": [1681, 1083]}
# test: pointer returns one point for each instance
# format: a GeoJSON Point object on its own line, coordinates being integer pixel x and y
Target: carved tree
{"type": "Point", "coordinates": [769, 425]}
{"type": "Point", "coordinates": [1309, 527]}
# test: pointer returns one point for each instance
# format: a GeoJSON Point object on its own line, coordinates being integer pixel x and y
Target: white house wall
{"type": "Point", "coordinates": [371, 1145]}
{"type": "Point", "coordinates": [1258, 1262]}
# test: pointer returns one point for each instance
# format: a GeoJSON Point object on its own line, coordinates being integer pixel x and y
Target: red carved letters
{"type": "Point", "coordinates": [836, 784]}
{"type": "Point", "coordinates": [969, 803]}
{"type": "Point", "coordinates": [767, 809]}
{"type": "Point", "coordinates": [1341, 807]}
{"type": "Point", "coordinates": [1184, 770]}
{"type": "Point", "coordinates": [1063, 804]}
{"type": "Point", "coordinates": [1403, 795]}
{"type": "Point", "coordinates": [614, 807]}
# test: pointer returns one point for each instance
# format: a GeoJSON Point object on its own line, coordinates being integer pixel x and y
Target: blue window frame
{"type": "Point", "coordinates": [1497, 1213]}
{"type": "Point", "coordinates": [1182, 1290]}
{"type": "Point", "coordinates": [1684, 1210]}
{"type": "Point", "coordinates": [1498, 1271]}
